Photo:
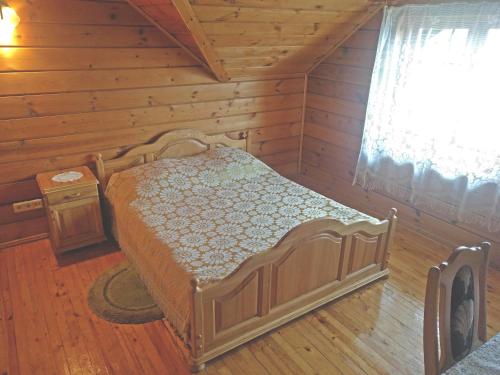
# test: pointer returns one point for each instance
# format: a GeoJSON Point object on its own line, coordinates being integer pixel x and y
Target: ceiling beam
{"type": "Point", "coordinates": [169, 36]}
{"type": "Point", "coordinates": [206, 48]}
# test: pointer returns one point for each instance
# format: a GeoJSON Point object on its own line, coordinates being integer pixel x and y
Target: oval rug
{"type": "Point", "coordinates": [120, 296]}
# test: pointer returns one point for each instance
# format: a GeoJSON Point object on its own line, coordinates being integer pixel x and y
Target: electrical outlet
{"type": "Point", "coordinates": [24, 206]}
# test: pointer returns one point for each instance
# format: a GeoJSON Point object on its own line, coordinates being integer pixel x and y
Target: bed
{"type": "Point", "coordinates": [228, 248]}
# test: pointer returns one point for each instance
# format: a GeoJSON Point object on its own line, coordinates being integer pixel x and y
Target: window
{"type": "Point", "coordinates": [432, 129]}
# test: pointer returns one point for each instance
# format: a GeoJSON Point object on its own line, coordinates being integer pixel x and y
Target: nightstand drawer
{"type": "Point", "coordinates": [72, 194]}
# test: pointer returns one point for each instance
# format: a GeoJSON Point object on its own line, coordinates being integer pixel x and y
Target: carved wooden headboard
{"type": "Point", "coordinates": [173, 144]}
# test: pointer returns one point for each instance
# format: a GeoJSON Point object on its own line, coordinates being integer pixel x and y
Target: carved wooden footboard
{"type": "Point", "coordinates": [314, 263]}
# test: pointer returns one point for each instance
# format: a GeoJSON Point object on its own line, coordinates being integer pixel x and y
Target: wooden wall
{"type": "Point", "coordinates": [94, 76]}
{"type": "Point", "coordinates": [335, 109]}
{"type": "Point", "coordinates": [82, 77]}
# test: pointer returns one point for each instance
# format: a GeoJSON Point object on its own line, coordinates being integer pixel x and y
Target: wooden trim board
{"type": "Point", "coordinates": [205, 46]}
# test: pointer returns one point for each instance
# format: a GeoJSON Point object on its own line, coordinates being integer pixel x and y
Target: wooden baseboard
{"type": "Point", "coordinates": [20, 241]}
{"type": "Point", "coordinates": [23, 231]}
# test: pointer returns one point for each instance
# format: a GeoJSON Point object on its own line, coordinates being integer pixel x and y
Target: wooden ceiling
{"type": "Point", "coordinates": [241, 38]}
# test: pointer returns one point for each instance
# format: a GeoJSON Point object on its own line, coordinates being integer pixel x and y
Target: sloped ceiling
{"type": "Point", "coordinates": [237, 38]}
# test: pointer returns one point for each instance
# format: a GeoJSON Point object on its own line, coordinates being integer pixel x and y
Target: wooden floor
{"type": "Point", "coordinates": [47, 328]}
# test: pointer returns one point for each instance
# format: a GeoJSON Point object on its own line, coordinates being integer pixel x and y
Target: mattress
{"type": "Point", "coordinates": [201, 216]}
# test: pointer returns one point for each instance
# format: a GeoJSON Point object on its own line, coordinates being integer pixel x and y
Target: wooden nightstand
{"type": "Point", "coordinates": [73, 209]}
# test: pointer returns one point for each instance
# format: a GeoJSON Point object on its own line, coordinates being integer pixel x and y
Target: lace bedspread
{"type": "Point", "coordinates": [217, 209]}
{"type": "Point", "coordinates": [201, 216]}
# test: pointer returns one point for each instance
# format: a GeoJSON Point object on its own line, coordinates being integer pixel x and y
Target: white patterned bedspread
{"type": "Point", "coordinates": [201, 216]}
{"type": "Point", "coordinates": [216, 209]}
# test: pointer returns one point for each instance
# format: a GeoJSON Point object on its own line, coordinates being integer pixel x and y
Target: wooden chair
{"type": "Point", "coordinates": [455, 308]}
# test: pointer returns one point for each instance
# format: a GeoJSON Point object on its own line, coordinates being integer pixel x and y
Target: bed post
{"type": "Point", "coordinates": [101, 175]}
{"type": "Point", "coordinates": [392, 218]}
{"type": "Point", "coordinates": [248, 137]}
{"type": "Point", "coordinates": [196, 341]}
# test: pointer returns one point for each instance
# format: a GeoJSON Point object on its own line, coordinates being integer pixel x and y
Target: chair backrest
{"type": "Point", "coordinates": [455, 308]}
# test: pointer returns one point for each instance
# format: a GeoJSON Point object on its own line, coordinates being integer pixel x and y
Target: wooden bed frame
{"type": "Point", "coordinates": [314, 263]}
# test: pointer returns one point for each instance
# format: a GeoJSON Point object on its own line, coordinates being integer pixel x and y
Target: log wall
{"type": "Point", "coordinates": [81, 77]}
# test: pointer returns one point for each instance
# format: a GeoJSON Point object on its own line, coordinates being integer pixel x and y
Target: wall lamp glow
{"type": "Point", "coordinates": [8, 21]}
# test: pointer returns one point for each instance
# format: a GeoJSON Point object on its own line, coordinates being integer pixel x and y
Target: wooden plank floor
{"type": "Point", "coordinates": [47, 328]}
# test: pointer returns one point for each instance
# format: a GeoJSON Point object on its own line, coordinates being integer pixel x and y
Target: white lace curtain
{"type": "Point", "coordinates": [432, 129]}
